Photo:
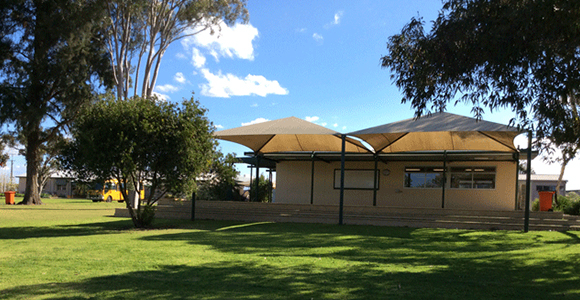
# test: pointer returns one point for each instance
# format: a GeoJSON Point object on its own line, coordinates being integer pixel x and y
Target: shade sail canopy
{"type": "Point", "coordinates": [289, 135]}
{"type": "Point", "coordinates": [439, 131]}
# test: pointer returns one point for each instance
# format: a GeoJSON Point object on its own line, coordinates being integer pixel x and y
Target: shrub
{"type": "Point", "coordinates": [562, 203]}
{"type": "Point", "coordinates": [536, 205]}
{"type": "Point", "coordinates": [148, 215]}
{"type": "Point", "coordinates": [573, 209]}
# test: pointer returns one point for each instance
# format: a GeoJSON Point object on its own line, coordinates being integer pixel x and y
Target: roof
{"type": "Point", "coordinates": [288, 134]}
{"type": "Point", "coordinates": [58, 174]}
{"type": "Point", "coordinates": [439, 132]}
{"type": "Point", "coordinates": [541, 177]}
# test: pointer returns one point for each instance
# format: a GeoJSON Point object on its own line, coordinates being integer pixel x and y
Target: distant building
{"type": "Point", "coordinates": [539, 183]}
{"type": "Point", "coordinates": [58, 184]}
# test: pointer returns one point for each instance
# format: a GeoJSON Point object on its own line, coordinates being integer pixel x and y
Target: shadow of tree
{"type": "Point", "coordinates": [234, 280]}
{"type": "Point", "coordinates": [65, 230]}
{"type": "Point", "coordinates": [302, 261]}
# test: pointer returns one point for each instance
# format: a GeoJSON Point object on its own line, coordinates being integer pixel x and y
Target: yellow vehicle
{"type": "Point", "coordinates": [110, 191]}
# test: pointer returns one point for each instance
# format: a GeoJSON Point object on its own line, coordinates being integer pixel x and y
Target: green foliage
{"type": "Point", "coordinates": [53, 59]}
{"type": "Point", "coordinates": [569, 204]}
{"type": "Point", "coordinates": [516, 54]}
{"type": "Point", "coordinates": [162, 144]}
{"type": "Point", "coordinates": [536, 205]}
{"type": "Point", "coordinates": [573, 209]}
{"type": "Point", "coordinates": [147, 215]}
{"type": "Point", "coordinates": [265, 189]}
{"type": "Point", "coordinates": [219, 182]}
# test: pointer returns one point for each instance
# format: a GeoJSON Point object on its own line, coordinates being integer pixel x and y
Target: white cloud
{"type": "Point", "coordinates": [312, 119]}
{"type": "Point", "coordinates": [197, 59]}
{"type": "Point", "coordinates": [167, 88]}
{"type": "Point", "coordinates": [317, 37]}
{"type": "Point", "coordinates": [231, 42]}
{"type": "Point", "coordinates": [228, 85]}
{"type": "Point", "coordinates": [254, 105]}
{"type": "Point", "coordinates": [256, 121]}
{"type": "Point", "coordinates": [218, 126]}
{"type": "Point", "coordinates": [179, 77]}
{"type": "Point", "coordinates": [343, 127]}
{"type": "Point", "coordinates": [300, 29]}
{"type": "Point", "coordinates": [335, 125]}
{"type": "Point", "coordinates": [324, 124]}
{"type": "Point", "coordinates": [337, 18]}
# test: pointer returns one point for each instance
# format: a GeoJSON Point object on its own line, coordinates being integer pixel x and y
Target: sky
{"type": "Point", "coordinates": [315, 60]}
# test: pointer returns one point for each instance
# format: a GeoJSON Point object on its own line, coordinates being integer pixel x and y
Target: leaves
{"type": "Point", "coordinates": [523, 55]}
{"type": "Point", "coordinates": [164, 145]}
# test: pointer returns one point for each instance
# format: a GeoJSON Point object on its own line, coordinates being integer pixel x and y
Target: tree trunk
{"type": "Point", "coordinates": [31, 194]}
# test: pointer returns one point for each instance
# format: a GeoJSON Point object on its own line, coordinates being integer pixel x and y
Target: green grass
{"type": "Point", "coordinates": [74, 249]}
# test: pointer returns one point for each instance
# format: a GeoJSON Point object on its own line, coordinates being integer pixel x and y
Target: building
{"type": "Point", "coordinates": [440, 161]}
{"type": "Point", "coordinates": [59, 184]}
{"type": "Point", "coordinates": [539, 183]}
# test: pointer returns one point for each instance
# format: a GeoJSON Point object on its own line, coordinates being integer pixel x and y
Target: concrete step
{"type": "Point", "coordinates": [378, 216]}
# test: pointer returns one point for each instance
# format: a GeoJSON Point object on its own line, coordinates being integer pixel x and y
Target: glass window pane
{"type": "Point", "coordinates": [484, 181]}
{"type": "Point", "coordinates": [461, 181]}
{"type": "Point", "coordinates": [414, 180]}
{"type": "Point", "coordinates": [434, 180]}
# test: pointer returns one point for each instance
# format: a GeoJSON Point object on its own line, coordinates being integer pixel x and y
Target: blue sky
{"type": "Point", "coordinates": [315, 60]}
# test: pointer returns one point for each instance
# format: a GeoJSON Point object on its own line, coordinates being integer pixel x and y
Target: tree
{"type": "Point", "coordinates": [52, 62]}
{"type": "Point", "coordinates": [220, 180]}
{"type": "Point", "coordinates": [523, 55]}
{"type": "Point", "coordinates": [139, 141]}
{"type": "Point", "coordinates": [144, 29]}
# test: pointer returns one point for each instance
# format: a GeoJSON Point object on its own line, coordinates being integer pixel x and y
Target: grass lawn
{"type": "Point", "coordinates": [74, 249]}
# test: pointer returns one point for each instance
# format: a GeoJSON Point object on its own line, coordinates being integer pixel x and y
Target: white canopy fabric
{"type": "Point", "coordinates": [438, 132]}
{"type": "Point", "coordinates": [289, 135]}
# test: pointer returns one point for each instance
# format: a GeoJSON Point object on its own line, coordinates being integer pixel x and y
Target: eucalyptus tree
{"type": "Point", "coordinates": [53, 60]}
{"type": "Point", "coordinates": [522, 55]}
{"type": "Point", "coordinates": [140, 31]}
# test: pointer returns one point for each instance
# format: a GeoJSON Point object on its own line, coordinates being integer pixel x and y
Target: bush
{"type": "Point", "coordinates": [536, 205]}
{"type": "Point", "coordinates": [147, 215]}
{"type": "Point", "coordinates": [573, 209]}
{"type": "Point", "coordinates": [562, 202]}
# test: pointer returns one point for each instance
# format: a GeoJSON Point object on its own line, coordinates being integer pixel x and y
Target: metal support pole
{"type": "Point", "coordinates": [517, 159]}
{"type": "Point", "coordinates": [375, 182]}
{"type": "Point", "coordinates": [444, 178]}
{"type": "Point", "coordinates": [257, 178]}
{"type": "Point", "coordinates": [342, 160]}
{"type": "Point", "coordinates": [193, 206]}
{"type": "Point", "coordinates": [528, 184]}
{"type": "Point", "coordinates": [251, 192]}
{"type": "Point", "coordinates": [312, 180]}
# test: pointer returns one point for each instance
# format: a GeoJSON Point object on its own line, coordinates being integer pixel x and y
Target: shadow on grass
{"type": "Point", "coordinates": [235, 280]}
{"type": "Point", "coordinates": [85, 229]}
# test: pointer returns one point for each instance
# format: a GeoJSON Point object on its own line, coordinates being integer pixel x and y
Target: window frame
{"type": "Point", "coordinates": [425, 170]}
{"type": "Point", "coordinates": [472, 172]}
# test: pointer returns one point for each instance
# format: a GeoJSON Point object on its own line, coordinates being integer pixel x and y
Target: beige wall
{"type": "Point", "coordinates": [293, 186]}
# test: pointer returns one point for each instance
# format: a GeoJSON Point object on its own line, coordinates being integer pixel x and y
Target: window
{"type": "Point", "coordinates": [356, 179]}
{"type": "Point", "coordinates": [473, 178]}
{"type": "Point", "coordinates": [424, 177]}
{"type": "Point", "coordinates": [546, 188]}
